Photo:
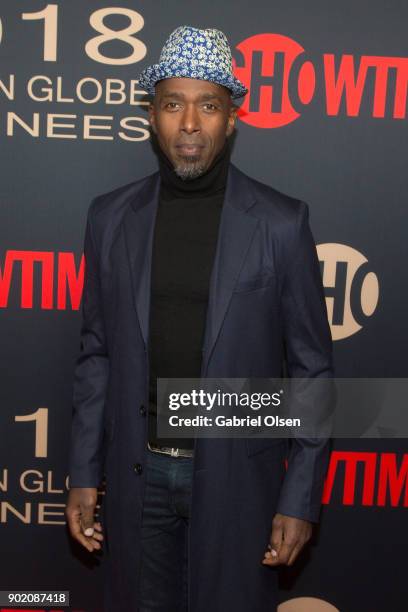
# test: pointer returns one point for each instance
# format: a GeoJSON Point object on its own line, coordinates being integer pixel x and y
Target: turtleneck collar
{"type": "Point", "coordinates": [211, 183]}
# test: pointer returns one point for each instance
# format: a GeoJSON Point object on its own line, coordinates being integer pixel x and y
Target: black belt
{"type": "Point", "coordinates": [171, 451]}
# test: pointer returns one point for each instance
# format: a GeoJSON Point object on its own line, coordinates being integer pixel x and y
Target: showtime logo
{"type": "Point", "coordinates": [376, 479]}
{"type": "Point", "coordinates": [283, 80]}
{"type": "Point", "coordinates": [56, 274]}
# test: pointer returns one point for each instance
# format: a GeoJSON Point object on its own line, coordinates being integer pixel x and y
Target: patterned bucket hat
{"type": "Point", "coordinates": [197, 54]}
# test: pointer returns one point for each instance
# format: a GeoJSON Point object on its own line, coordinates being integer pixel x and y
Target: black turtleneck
{"type": "Point", "coordinates": [184, 242]}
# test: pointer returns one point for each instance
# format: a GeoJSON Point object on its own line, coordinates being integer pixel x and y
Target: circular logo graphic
{"type": "Point", "coordinates": [351, 288]}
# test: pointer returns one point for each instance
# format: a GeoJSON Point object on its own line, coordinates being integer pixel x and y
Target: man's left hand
{"type": "Point", "coordinates": [288, 537]}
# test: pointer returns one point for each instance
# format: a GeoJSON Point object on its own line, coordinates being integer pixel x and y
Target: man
{"type": "Point", "coordinates": [194, 271]}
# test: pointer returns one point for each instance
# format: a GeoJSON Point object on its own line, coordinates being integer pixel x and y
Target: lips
{"type": "Point", "coordinates": [189, 148]}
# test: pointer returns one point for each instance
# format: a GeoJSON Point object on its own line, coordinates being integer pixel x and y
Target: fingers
{"type": "Point", "coordinates": [90, 529]}
{"type": "Point", "coordinates": [93, 542]}
{"type": "Point", "coordinates": [282, 556]}
{"type": "Point", "coordinates": [286, 550]}
{"type": "Point", "coordinates": [276, 540]}
{"type": "Point", "coordinates": [288, 537]}
{"type": "Point", "coordinates": [80, 517]}
{"type": "Point", "coordinates": [89, 542]}
{"type": "Point", "coordinates": [97, 535]}
{"type": "Point", "coordinates": [296, 550]}
{"type": "Point", "coordinates": [304, 537]}
{"type": "Point", "coordinates": [98, 529]}
{"type": "Point", "coordinates": [87, 518]}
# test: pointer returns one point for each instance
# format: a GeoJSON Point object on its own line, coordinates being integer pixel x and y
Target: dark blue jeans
{"type": "Point", "coordinates": [166, 511]}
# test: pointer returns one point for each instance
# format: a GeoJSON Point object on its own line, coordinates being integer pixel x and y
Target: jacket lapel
{"type": "Point", "coordinates": [139, 227]}
{"type": "Point", "coordinates": [234, 237]}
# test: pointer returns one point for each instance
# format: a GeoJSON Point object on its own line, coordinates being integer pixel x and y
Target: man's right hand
{"type": "Point", "coordinates": [80, 516]}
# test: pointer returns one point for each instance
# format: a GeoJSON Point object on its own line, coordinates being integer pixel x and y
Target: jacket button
{"type": "Point", "coordinates": [138, 468]}
{"type": "Point", "coordinates": [142, 410]}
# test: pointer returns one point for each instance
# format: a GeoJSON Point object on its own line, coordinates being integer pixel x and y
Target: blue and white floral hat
{"type": "Point", "coordinates": [197, 54]}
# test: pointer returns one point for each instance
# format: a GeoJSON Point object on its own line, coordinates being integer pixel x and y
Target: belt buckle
{"type": "Point", "coordinates": [174, 452]}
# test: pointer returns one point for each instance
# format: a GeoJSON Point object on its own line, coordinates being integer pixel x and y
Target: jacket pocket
{"type": "Point", "coordinates": [256, 282]}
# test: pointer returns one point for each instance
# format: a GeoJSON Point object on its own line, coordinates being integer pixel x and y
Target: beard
{"type": "Point", "coordinates": [191, 168]}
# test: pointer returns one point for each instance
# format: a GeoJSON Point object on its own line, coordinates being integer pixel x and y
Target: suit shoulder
{"type": "Point", "coordinates": [113, 202]}
{"type": "Point", "coordinates": [272, 203]}
{"type": "Point", "coordinates": [107, 210]}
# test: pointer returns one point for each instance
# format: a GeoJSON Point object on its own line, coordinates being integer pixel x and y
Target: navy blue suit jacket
{"type": "Point", "coordinates": [266, 307]}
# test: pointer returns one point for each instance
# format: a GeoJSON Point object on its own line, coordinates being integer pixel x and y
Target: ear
{"type": "Point", "coordinates": [231, 119]}
{"type": "Point", "coordinates": [152, 117]}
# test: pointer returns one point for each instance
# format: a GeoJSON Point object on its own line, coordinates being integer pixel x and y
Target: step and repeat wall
{"type": "Point", "coordinates": [325, 120]}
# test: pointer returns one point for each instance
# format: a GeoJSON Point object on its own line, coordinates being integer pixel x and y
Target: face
{"type": "Point", "coordinates": [191, 119]}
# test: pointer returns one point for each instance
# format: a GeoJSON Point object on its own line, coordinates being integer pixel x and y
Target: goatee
{"type": "Point", "coordinates": [189, 170]}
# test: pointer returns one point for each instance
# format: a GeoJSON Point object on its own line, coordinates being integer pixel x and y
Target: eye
{"type": "Point", "coordinates": [171, 103]}
{"type": "Point", "coordinates": [212, 105]}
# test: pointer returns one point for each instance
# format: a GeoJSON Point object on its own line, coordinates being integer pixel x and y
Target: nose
{"type": "Point", "coordinates": [190, 120]}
